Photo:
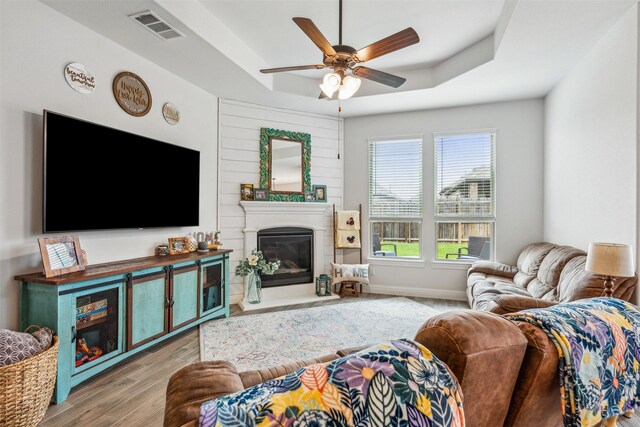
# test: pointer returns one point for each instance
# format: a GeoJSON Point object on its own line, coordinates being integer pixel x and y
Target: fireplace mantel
{"type": "Point", "coordinates": [284, 207]}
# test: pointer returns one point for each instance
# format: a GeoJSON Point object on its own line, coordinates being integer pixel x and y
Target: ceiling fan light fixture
{"type": "Point", "coordinates": [349, 87]}
{"type": "Point", "coordinates": [331, 83]}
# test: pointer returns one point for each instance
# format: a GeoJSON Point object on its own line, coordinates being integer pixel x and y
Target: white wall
{"type": "Point", "coordinates": [518, 187]}
{"type": "Point", "coordinates": [590, 161]}
{"type": "Point", "coordinates": [240, 125]}
{"type": "Point", "coordinates": [36, 44]}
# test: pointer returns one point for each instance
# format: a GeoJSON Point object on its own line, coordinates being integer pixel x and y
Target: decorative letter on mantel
{"type": "Point", "coordinates": [285, 164]}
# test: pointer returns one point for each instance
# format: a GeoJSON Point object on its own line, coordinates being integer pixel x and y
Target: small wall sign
{"type": "Point", "coordinates": [79, 78]}
{"type": "Point", "coordinates": [171, 113]}
{"type": "Point", "coordinates": [132, 94]}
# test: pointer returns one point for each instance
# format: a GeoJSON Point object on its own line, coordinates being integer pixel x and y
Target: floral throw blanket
{"type": "Point", "coordinates": [399, 383]}
{"type": "Point", "coordinates": [597, 341]}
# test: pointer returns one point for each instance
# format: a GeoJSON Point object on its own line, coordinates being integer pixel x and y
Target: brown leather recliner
{"type": "Point", "coordinates": [545, 275]}
{"type": "Point", "coordinates": [482, 350]}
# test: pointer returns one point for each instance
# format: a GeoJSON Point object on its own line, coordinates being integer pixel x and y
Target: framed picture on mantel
{"type": "Point", "coordinates": [246, 191]}
{"type": "Point", "coordinates": [261, 194]}
{"type": "Point", "coordinates": [320, 193]}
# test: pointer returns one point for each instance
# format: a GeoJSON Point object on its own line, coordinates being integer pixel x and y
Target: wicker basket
{"type": "Point", "coordinates": [26, 388]}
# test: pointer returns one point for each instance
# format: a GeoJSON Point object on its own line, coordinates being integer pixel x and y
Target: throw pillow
{"type": "Point", "coordinates": [350, 273]}
{"type": "Point", "coordinates": [44, 336]}
{"type": "Point", "coordinates": [17, 346]}
{"type": "Point", "coordinates": [399, 383]}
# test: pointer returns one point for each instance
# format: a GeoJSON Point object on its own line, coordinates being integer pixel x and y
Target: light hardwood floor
{"type": "Point", "coordinates": [133, 392]}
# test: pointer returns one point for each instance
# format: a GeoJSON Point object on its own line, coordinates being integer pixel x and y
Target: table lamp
{"type": "Point", "coordinates": [610, 260]}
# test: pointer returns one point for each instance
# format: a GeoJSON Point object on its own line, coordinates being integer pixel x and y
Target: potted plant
{"type": "Point", "coordinates": [252, 266]}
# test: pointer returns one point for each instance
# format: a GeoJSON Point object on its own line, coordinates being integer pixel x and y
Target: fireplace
{"type": "Point", "coordinates": [293, 246]}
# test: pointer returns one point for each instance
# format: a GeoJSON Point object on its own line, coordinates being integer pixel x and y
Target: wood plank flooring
{"type": "Point", "coordinates": [133, 393]}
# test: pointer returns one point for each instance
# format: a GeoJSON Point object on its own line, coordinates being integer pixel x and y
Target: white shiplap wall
{"type": "Point", "coordinates": [239, 142]}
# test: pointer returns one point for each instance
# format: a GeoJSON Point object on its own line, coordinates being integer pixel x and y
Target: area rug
{"type": "Point", "coordinates": [264, 340]}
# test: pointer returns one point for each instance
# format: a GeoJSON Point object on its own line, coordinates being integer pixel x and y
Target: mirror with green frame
{"type": "Point", "coordinates": [285, 164]}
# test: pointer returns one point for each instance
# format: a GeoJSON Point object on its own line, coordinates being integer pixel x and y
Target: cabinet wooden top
{"type": "Point", "coordinates": [118, 267]}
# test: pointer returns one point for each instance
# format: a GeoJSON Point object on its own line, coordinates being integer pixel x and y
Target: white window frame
{"type": "Point", "coordinates": [437, 219]}
{"type": "Point", "coordinates": [397, 260]}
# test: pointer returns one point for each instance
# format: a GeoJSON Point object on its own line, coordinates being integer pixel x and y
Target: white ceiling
{"type": "Point", "coordinates": [444, 27]}
{"type": "Point", "coordinates": [471, 51]}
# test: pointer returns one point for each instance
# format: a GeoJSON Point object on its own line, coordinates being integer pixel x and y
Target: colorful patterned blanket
{"type": "Point", "coordinates": [597, 341]}
{"type": "Point", "coordinates": [393, 384]}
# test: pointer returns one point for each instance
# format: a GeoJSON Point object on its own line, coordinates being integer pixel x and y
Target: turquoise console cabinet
{"type": "Point", "coordinates": [109, 312]}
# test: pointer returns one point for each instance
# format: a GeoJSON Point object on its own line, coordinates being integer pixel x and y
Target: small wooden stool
{"type": "Point", "coordinates": [349, 288]}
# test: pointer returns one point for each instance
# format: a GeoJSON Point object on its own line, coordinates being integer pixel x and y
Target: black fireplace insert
{"type": "Point", "coordinates": [293, 246]}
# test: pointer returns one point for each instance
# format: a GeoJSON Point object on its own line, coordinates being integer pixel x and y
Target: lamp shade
{"type": "Point", "coordinates": [350, 85]}
{"type": "Point", "coordinates": [330, 83]}
{"type": "Point", "coordinates": [610, 259]}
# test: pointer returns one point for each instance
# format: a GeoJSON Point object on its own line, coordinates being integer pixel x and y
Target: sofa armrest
{"type": "Point", "coordinates": [472, 343]}
{"type": "Point", "coordinates": [493, 268]}
{"type": "Point", "coordinates": [251, 378]}
{"type": "Point", "coordinates": [350, 350]}
{"type": "Point", "coordinates": [195, 384]}
{"type": "Point", "coordinates": [512, 303]}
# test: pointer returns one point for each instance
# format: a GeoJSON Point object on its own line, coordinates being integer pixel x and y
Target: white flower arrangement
{"type": "Point", "coordinates": [256, 263]}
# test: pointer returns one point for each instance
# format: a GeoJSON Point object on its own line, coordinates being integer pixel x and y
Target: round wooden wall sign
{"type": "Point", "coordinates": [132, 94]}
{"type": "Point", "coordinates": [171, 113]}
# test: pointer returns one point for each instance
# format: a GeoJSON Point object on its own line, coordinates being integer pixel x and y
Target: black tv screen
{"type": "Point", "coordinates": [98, 178]}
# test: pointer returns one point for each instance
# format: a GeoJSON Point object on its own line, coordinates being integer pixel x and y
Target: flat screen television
{"type": "Point", "coordinates": [99, 178]}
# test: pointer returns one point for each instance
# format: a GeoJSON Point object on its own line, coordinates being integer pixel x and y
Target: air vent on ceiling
{"type": "Point", "coordinates": [156, 25]}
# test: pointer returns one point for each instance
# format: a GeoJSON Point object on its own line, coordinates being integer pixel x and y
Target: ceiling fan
{"type": "Point", "coordinates": [342, 58]}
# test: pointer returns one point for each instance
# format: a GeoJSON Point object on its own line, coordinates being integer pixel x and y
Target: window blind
{"type": "Point", "coordinates": [465, 174]}
{"type": "Point", "coordinates": [395, 179]}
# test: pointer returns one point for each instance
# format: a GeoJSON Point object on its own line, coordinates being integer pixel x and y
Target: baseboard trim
{"type": "Point", "coordinates": [416, 292]}
{"type": "Point", "coordinates": [396, 290]}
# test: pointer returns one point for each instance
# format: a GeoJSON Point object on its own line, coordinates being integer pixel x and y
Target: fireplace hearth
{"type": "Point", "coordinates": [293, 246]}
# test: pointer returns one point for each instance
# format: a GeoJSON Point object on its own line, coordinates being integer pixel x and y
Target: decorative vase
{"type": "Point", "coordinates": [162, 250]}
{"type": "Point", "coordinates": [192, 243]}
{"type": "Point", "coordinates": [254, 288]}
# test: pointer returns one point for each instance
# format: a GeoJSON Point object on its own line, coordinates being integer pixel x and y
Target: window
{"type": "Point", "coordinates": [464, 195]}
{"type": "Point", "coordinates": [395, 197]}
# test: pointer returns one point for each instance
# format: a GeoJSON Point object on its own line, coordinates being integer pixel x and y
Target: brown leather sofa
{"type": "Point", "coordinates": [545, 274]}
{"type": "Point", "coordinates": [482, 350]}
{"type": "Point", "coordinates": [507, 372]}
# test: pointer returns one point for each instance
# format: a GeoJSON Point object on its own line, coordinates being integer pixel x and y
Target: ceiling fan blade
{"type": "Point", "coordinates": [294, 68]}
{"type": "Point", "coordinates": [378, 76]}
{"type": "Point", "coordinates": [394, 42]}
{"type": "Point", "coordinates": [315, 35]}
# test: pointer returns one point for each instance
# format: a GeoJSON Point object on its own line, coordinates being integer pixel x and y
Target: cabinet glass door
{"type": "Point", "coordinates": [97, 327]}
{"type": "Point", "coordinates": [212, 286]}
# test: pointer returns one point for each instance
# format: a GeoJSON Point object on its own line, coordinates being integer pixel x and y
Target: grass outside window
{"type": "Point", "coordinates": [412, 249]}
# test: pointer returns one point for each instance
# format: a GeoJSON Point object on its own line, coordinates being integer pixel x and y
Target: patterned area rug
{"type": "Point", "coordinates": [264, 340]}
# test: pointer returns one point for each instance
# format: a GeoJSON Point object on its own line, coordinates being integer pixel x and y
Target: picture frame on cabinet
{"type": "Point", "coordinates": [178, 245]}
{"type": "Point", "coordinates": [61, 255]}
